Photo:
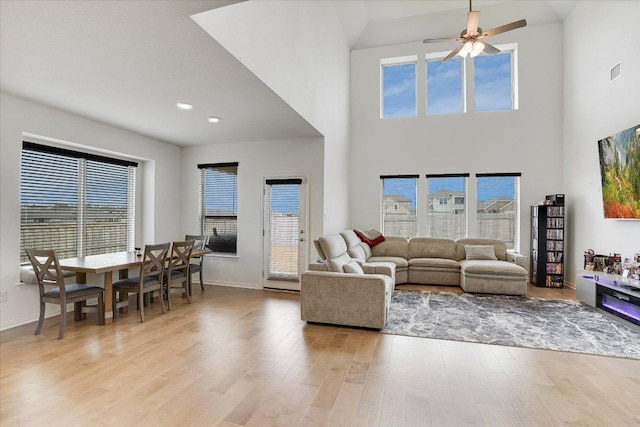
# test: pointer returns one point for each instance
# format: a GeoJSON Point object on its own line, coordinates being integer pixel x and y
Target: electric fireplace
{"type": "Point", "coordinates": [621, 300]}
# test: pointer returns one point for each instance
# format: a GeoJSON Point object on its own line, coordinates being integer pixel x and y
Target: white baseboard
{"type": "Point", "coordinates": [234, 285]}
{"type": "Point", "coordinates": [49, 312]}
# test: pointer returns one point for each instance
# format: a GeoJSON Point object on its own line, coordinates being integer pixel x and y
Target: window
{"type": "Point", "coordinates": [398, 205]}
{"type": "Point", "coordinates": [219, 205]}
{"type": "Point", "coordinates": [498, 208]}
{"type": "Point", "coordinates": [398, 87]}
{"type": "Point", "coordinates": [446, 213]}
{"type": "Point", "coordinates": [76, 203]}
{"type": "Point", "coordinates": [445, 89]}
{"type": "Point", "coordinates": [495, 81]}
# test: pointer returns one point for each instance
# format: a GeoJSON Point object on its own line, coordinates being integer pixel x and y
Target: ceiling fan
{"type": "Point", "coordinates": [470, 36]}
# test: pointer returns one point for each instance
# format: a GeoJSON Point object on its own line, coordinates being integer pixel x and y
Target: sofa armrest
{"type": "Point", "coordinates": [517, 258]}
{"type": "Point", "coordinates": [345, 299]}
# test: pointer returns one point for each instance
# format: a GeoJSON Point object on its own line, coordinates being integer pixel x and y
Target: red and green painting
{"type": "Point", "coordinates": [620, 172]}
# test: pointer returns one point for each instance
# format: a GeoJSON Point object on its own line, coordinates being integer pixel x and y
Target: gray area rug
{"type": "Point", "coordinates": [552, 324]}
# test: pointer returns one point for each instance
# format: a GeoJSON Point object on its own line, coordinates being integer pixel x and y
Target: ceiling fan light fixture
{"type": "Point", "coordinates": [478, 47]}
{"type": "Point", "coordinates": [466, 49]}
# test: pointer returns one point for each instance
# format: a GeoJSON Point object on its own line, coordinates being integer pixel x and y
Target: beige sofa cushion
{"type": "Point", "coordinates": [486, 252]}
{"type": "Point", "coordinates": [399, 262]}
{"type": "Point", "coordinates": [337, 264]}
{"type": "Point", "coordinates": [428, 247]}
{"type": "Point", "coordinates": [351, 238]}
{"type": "Point", "coordinates": [357, 252]}
{"type": "Point", "coordinates": [332, 245]}
{"type": "Point", "coordinates": [499, 246]}
{"type": "Point", "coordinates": [491, 268]}
{"type": "Point", "coordinates": [391, 247]}
{"type": "Point", "coordinates": [353, 268]}
{"type": "Point", "coordinates": [436, 263]}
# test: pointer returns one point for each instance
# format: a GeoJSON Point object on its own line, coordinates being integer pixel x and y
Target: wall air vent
{"type": "Point", "coordinates": [615, 71]}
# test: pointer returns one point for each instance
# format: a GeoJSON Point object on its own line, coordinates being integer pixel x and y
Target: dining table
{"type": "Point", "coordinates": [106, 264]}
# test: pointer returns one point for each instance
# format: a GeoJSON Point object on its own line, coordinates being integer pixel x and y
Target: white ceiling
{"type": "Point", "coordinates": [127, 63]}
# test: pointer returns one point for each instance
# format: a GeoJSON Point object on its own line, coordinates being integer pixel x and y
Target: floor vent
{"type": "Point", "coordinates": [615, 71]}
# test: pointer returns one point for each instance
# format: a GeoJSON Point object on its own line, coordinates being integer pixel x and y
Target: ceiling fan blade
{"type": "Point", "coordinates": [504, 28]}
{"type": "Point", "coordinates": [473, 18]}
{"type": "Point", "coordinates": [453, 53]}
{"type": "Point", "coordinates": [490, 50]}
{"type": "Point", "coordinates": [449, 39]}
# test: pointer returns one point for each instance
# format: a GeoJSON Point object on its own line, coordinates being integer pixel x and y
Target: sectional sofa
{"type": "Point", "coordinates": [334, 290]}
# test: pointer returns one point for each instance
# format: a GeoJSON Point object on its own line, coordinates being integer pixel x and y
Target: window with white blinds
{"type": "Point", "coordinates": [398, 205]}
{"type": "Point", "coordinates": [498, 207]}
{"type": "Point", "coordinates": [446, 205]}
{"type": "Point", "coordinates": [283, 228]}
{"type": "Point", "coordinates": [76, 203]}
{"type": "Point", "coordinates": [219, 206]}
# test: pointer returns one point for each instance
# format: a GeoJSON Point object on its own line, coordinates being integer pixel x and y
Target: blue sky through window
{"type": "Point", "coordinates": [399, 90]}
{"type": "Point", "coordinates": [444, 86]}
{"type": "Point", "coordinates": [491, 187]}
{"type": "Point", "coordinates": [403, 186]}
{"type": "Point", "coordinates": [285, 199]}
{"type": "Point", "coordinates": [493, 82]}
{"type": "Point", "coordinates": [446, 183]}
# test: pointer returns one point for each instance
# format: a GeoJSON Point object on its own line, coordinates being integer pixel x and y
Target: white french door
{"type": "Point", "coordinates": [284, 231]}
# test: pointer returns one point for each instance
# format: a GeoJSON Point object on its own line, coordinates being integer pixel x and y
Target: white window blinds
{"type": "Point", "coordinates": [498, 207]}
{"type": "Point", "coordinates": [219, 205]}
{"type": "Point", "coordinates": [446, 205]}
{"type": "Point", "coordinates": [76, 203]}
{"type": "Point", "coordinates": [398, 205]}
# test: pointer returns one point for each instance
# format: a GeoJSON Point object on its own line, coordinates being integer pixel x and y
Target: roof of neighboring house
{"type": "Point", "coordinates": [447, 193]}
{"type": "Point", "coordinates": [397, 198]}
{"type": "Point", "coordinates": [498, 204]}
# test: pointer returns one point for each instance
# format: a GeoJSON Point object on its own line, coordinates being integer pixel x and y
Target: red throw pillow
{"type": "Point", "coordinates": [371, 237]}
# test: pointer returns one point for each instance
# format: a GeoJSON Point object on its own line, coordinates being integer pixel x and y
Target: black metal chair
{"type": "Point", "coordinates": [200, 242]}
{"type": "Point", "coordinates": [178, 271]}
{"type": "Point", "coordinates": [47, 270]}
{"type": "Point", "coordinates": [150, 279]}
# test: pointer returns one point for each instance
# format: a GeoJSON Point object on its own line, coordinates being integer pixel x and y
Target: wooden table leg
{"type": "Point", "coordinates": [108, 298]}
{"type": "Point", "coordinates": [123, 296]}
{"type": "Point", "coordinates": [77, 307]}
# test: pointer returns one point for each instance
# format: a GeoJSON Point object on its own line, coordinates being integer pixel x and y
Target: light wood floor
{"type": "Point", "coordinates": [243, 357]}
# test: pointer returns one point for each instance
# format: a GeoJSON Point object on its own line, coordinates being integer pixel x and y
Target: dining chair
{"type": "Point", "coordinates": [177, 274]}
{"type": "Point", "coordinates": [200, 242]}
{"type": "Point", "coordinates": [47, 270]}
{"type": "Point", "coordinates": [150, 279]}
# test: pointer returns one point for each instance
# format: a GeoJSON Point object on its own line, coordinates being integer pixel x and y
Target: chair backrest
{"type": "Point", "coordinates": [199, 242]}
{"type": "Point", "coordinates": [47, 269]}
{"type": "Point", "coordinates": [154, 260]}
{"type": "Point", "coordinates": [180, 255]}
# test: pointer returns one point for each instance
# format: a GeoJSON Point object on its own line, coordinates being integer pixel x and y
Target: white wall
{"type": "Point", "coordinates": [527, 140]}
{"type": "Point", "coordinates": [594, 109]}
{"type": "Point", "coordinates": [158, 214]}
{"type": "Point", "coordinates": [257, 160]}
{"type": "Point", "coordinates": [298, 49]}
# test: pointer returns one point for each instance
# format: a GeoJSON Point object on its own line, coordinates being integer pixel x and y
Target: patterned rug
{"type": "Point", "coordinates": [551, 324]}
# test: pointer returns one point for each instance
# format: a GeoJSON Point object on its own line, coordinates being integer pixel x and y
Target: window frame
{"type": "Point", "coordinates": [80, 179]}
{"type": "Point", "coordinates": [400, 60]}
{"type": "Point", "coordinates": [515, 98]}
{"type": "Point", "coordinates": [439, 56]}
{"type": "Point", "coordinates": [517, 211]}
{"type": "Point", "coordinates": [455, 207]}
{"type": "Point", "coordinates": [382, 202]}
{"type": "Point", "coordinates": [202, 210]}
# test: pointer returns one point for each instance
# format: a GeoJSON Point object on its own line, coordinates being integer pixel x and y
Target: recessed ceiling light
{"type": "Point", "coordinates": [213, 119]}
{"type": "Point", "coordinates": [184, 106]}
